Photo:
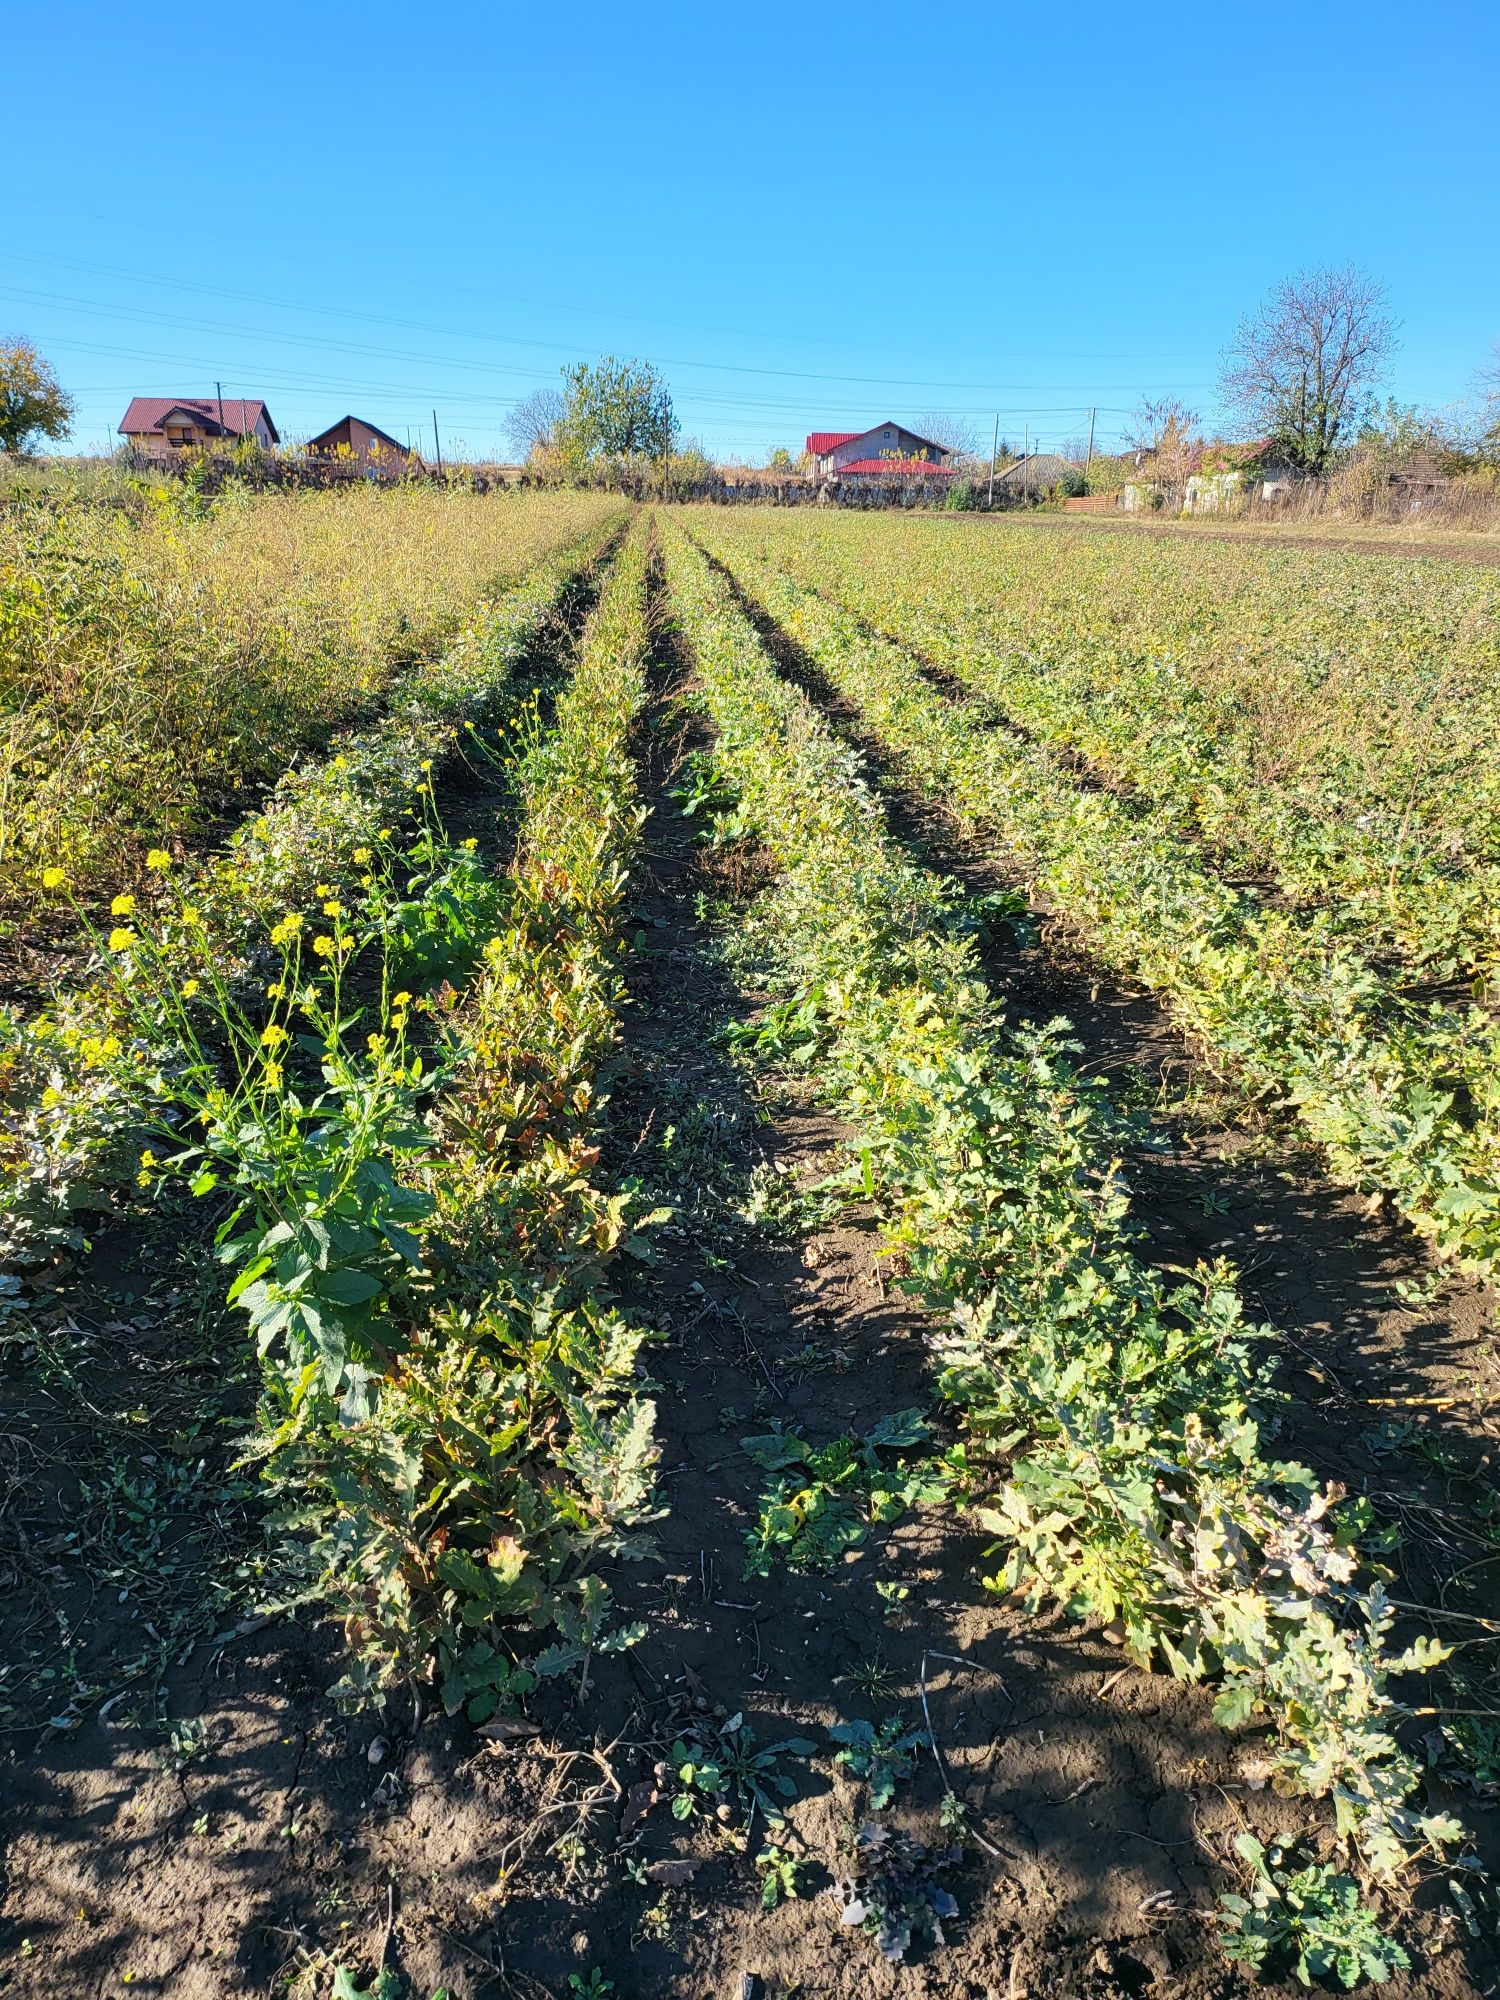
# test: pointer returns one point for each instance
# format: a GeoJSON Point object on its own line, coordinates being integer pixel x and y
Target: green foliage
{"type": "Point", "coordinates": [33, 404]}
{"type": "Point", "coordinates": [883, 1756]}
{"type": "Point", "coordinates": [1307, 1921]}
{"type": "Point", "coordinates": [77, 1079]}
{"type": "Point", "coordinates": [613, 410]}
{"type": "Point", "coordinates": [1402, 1095]}
{"type": "Point", "coordinates": [781, 1876]}
{"type": "Point", "coordinates": [1113, 1439]}
{"type": "Point", "coordinates": [590, 1986]}
{"type": "Point", "coordinates": [722, 1763]}
{"type": "Point", "coordinates": [825, 1499]}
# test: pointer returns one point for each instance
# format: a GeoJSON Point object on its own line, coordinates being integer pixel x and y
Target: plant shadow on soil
{"type": "Point", "coordinates": [1385, 1398]}
{"type": "Point", "coordinates": [291, 1838]}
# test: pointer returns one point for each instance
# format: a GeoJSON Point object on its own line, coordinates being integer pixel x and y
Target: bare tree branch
{"type": "Point", "coordinates": [1304, 363]}
{"type": "Point", "coordinates": [532, 424]}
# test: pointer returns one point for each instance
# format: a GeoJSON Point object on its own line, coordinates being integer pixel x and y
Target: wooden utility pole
{"type": "Point", "coordinates": [1088, 461]}
{"type": "Point", "coordinates": [437, 444]}
{"type": "Point", "coordinates": [219, 392]}
{"type": "Point", "coordinates": [994, 454]}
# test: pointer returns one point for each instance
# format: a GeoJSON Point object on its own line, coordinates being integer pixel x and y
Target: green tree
{"type": "Point", "coordinates": [614, 409]}
{"type": "Point", "coordinates": [33, 403]}
{"type": "Point", "coordinates": [780, 460]}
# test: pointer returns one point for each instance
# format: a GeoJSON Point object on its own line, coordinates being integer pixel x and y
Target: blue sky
{"type": "Point", "coordinates": [809, 215]}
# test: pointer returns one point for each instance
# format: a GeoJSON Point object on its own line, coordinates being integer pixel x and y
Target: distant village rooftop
{"type": "Point", "coordinates": [181, 421]}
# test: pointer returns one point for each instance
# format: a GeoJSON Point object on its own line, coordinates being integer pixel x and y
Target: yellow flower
{"type": "Point", "coordinates": [159, 860]}
{"type": "Point", "coordinates": [426, 763]}
{"type": "Point", "coordinates": [287, 929]}
{"type": "Point", "coordinates": [333, 909]}
{"type": "Point", "coordinates": [189, 988]}
{"type": "Point", "coordinates": [191, 916]}
{"type": "Point", "coordinates": [361, 856]}
{"type": "Point", "coordinates": [122, 906]}
{"type": "Point", "coordinates": [470, 845]}
{"type": "Point", "coordinates": [121, 939]}
{"type": "Point", "coordinates": [273, 1036]}
{"type": "Point", "coordinates": [50, 1096]}
{"type": "Point", "coordinates": [324, 889]}
{"type": "Point", "coordinates": [324, 947]}
{"type": "Point", "coordinates": [402, 1000]}
{"type": "Point", "coordinates": [272, 1075]}
{"type": "Point", "coordinates": [276, 990]}
{"type": "Point", "coordinates": [54, 878]}
{"type": "Point", "coordinates": [375, 1043]}
{"type": "Point", "coordinates": [148, 1158]}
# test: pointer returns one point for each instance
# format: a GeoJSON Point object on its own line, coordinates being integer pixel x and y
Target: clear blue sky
{"type": "Point", "coordinates": [810, 215]}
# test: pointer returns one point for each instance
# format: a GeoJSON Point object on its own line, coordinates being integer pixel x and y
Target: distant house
{"type": "Point", "coordinates": [888, 450]}
{"type": "Point", "coordinates": [376, 452]}
{"type": "Point", "coordinates": [1038, 473]}
{"type": "Point", "coordinates": [164, 424]}
{"type": "Point", "coordinates": [1226, 476]}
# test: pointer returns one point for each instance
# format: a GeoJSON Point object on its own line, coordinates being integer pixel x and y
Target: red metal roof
{"type": "Point", "coordinates": [901, 468]}
{"type": "Point", "coordinates": [820, 441]}
{"type": "Point", "coordinates": [240, 417]}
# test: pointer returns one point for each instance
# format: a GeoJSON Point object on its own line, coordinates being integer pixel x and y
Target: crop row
{"type": "Point", "coordinates": [401, 1127]}
{"type": "Point", "coordinates": [1404, 1100]}
{"type": "Point", "coordinates": [1385, 831]}
{"type": "Point", "coordinates": [64, 1113]}
{"type": "Point", "coordinates": [155, 663]}
{"type": "Point", "coordinates": [1112, 1437]}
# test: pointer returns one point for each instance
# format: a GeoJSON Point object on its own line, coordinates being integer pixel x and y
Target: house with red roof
{"type": "Point", "coordinates": [164, 424]}
{"type": "Point", "coordinates": [888, 451]}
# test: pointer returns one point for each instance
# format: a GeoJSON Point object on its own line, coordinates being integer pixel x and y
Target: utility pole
{"type": "Point", "coordinates": [1088, 461]}
{"type": "Point", "coordinates": [437, 444]}
{"type": "Point", "coordinates": [994, 454]}
{"type": "Point", "coordinates": [219, 392]}
{"type": "Point", "coordinates": [1025, 440]}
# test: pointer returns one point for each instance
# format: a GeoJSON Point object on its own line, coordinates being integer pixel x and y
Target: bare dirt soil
{"type": "Point", "coordinates": [273, 1838]}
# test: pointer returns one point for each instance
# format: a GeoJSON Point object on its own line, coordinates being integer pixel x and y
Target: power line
{"type": "Point", "coordinates": [502, 298]}
{"type": "Point", "coordinates": [145, 315]}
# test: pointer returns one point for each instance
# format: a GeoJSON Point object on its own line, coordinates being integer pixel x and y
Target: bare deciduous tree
{"type": "Point", "coordinates": [1489, 382]}
{"type": "Point", "coordinates": [532, 424]}
{"type": "Point", "coordinates": [961, 436]}
{"type": "Point", "coordinates": [1303, 365]}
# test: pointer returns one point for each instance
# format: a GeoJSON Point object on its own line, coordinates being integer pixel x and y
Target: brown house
{"type": "Point", "coordinates": [374, 451]}
{"type": "Point", "coordinates": [164, 424]}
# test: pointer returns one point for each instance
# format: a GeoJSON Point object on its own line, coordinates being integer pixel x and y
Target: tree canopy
{"type": "Point", "coordinates": [33, 404]}
{"type": "Point", "coordinates": [614, 409]}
